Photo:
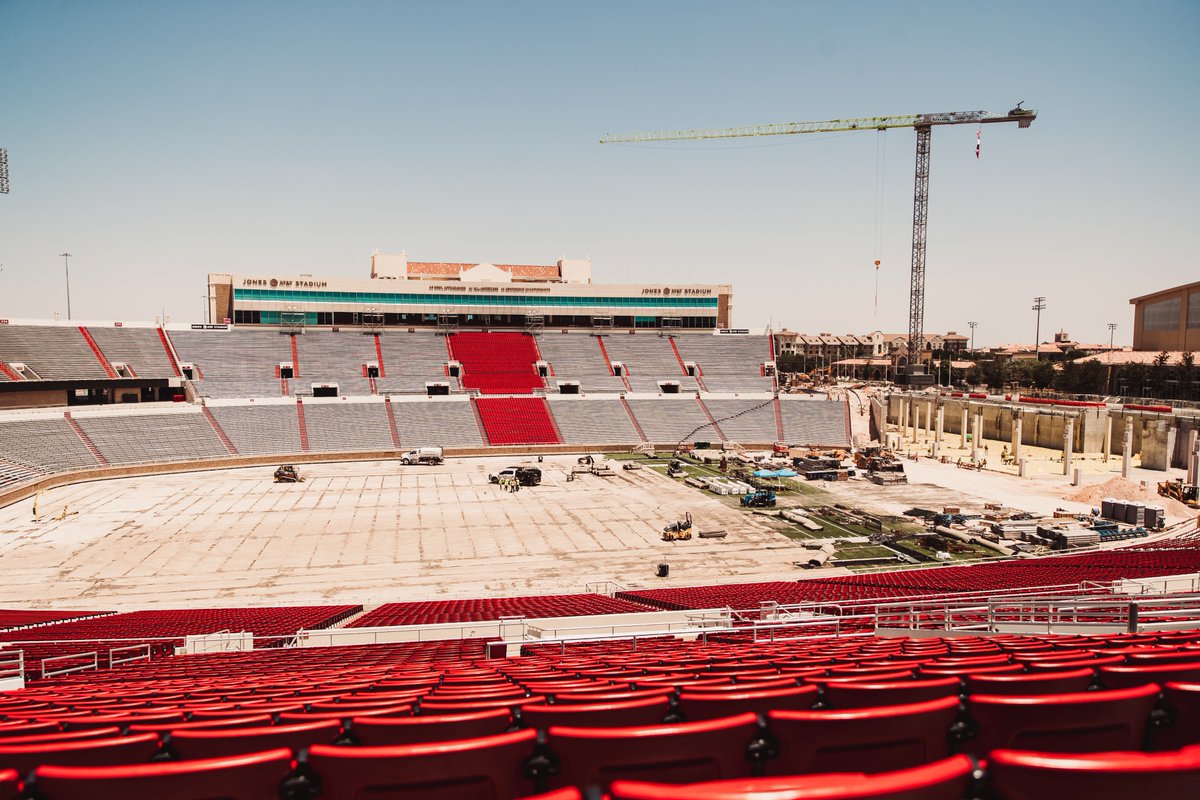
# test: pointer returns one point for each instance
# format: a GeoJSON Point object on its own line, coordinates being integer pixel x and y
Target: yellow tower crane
{"type": "Point", "coordinates": [923, 123]}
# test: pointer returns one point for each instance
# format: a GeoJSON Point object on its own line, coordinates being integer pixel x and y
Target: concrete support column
{"type": "Point", "coordinates": [916, 418]}
{"type": "Point", "coordinates": [1068, 445]}
{"type": "Point", "coordinates": [962, 432]}
{"type": "Point", "coordinates": [1107, 437]}
{"type": "Point", "coordinates": [1016, 436]}
{"type": "Point", "coordinates": [1193, 456]}
{"type": "Point", "coordinates": [976, 436]}
{"type": "Point", "coordinates": [1127, 448]}
{"type": "Point", "coordinates": [929, 418]}
{"type": "Point", "coordinates": [1172, 432]}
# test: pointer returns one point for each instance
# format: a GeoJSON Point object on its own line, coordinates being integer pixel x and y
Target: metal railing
{"type": "Point", "coordinates": [12, 664]}
{"type": "Point", "coordinates": [138, 652]}
{"type": "Point", "coordinates": [71, 657]}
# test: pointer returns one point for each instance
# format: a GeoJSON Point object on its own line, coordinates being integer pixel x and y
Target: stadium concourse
{"type": "Point", "coordinates": [412, 632]}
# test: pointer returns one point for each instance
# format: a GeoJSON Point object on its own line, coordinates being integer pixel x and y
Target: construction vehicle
{"type": "Point", "coordinates": [1186, 493]}
{"type": "Point", "coordinates": [675, 469]}
{"type": "Point", "coordinates": [526, 476]}
{"type": "Point", "coordinates": [762, 498]}
{"type": "Point", "coordinates": [423, 455]}
{"type": "Point", "coordinates": [679, 531]}
{"type": "Point", "coordinates": [631, 465]}
{"type": "Point", "coordinates": [287, 474]}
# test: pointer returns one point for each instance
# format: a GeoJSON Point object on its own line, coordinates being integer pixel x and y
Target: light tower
{"type": "Point", "coordinates": [1039, 304]}
{"type": "Point", "coordinates": [66, 257]}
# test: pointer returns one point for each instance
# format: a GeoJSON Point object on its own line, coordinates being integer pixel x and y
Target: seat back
{"type": "Point", "coordinates": [647, 711]}
{"type": "Point", "coordinates": [195, 744]}
{"type": "Point", "coordinates": [862, 739]}
{"type": "Point", "coordinates": [1120, 677]}
{"type": "Point", "coordinates": [1019, 775]}
{"type": "Point", "coordinates": [251, 777]}
{"type": "Point", "coordinates": [83, 753]}
{"type": "Point", "coordinates": [375, 731]}
{"type": "Point", "coordinates": [679, 753]}
{"type": "Point", "coordinates": [948, 779]}
{"type": "Point", "coordinates": [1072, 680]}
{"type": "Point", "coordinates": [864, 694]}
{"type": "Point", "coordinates": [1183, 704]}
{"type": "Point", "coordinates": [699, 705]}
{"type": "Point", "coordinates": [1066, 723]}
{"type": "Point", "coordinates": [487, 768]}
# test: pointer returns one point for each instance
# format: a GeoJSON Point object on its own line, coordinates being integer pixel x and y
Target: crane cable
{"type": "Point", "coordinates": [880, 171]}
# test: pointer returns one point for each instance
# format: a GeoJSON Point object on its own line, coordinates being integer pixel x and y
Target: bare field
{"type": "Point", "coordinates": [368, 532]}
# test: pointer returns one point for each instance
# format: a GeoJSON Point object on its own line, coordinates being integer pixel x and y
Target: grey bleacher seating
{"type": "Point", "coordinates": [411, 359]}
{"type": "Point", "coordinates": [752, 427]}
{"type": "Point", "coordinates": [327, 357]}
{"type": "Point", "coordinates": [728, 363]}
{"type": "Point", "coordinates": [47, 443]}
{"type": "Point", "coordinates": [347, 426]}
{"type": "Point", "coordinates": [140, 348]}
{"type": "Point", "coordinates": [592, 420]}
{"type": "Point", "coordinates": [260, 429]}
{"type": "Point", "coordinates": [577, 357]}
{"type": "Point", "coordinates": [144, 438]}
{"type": "Point", "coordinates": [668, 420]}
{"type": "Point", "coordinates": [648, 359]}
{"type": "Point", "coordinates": [234, 363]}
{"type": "Point", "coordinates": [814, 421]}
{"type": "Point", "coordinates": [52, 351]}
{"type": "Point", "coordinates": [12, 473]}
{"type": "Point", "coordinates": [431, 421]}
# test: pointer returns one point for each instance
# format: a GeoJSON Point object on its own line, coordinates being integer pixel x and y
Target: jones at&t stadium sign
{"type": "Point", "coordinates": [666, 291]}
{"type": "Point", "coordinates": [284, 283]}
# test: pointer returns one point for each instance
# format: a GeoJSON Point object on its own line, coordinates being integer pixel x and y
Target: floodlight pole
{"type": "Point", "coordinates": [1039, 304]}
{"type": "Point", "coordinates": [66, 257]}
{"type": "Point", "coordinates": [973, 326]}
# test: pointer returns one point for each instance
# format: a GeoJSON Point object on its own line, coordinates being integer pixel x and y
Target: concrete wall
{"type": "Point", "coordinates": [34, 398]}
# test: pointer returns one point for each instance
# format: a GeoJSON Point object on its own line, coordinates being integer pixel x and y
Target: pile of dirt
{"type": "Point", "coordinates": [1120, 489]}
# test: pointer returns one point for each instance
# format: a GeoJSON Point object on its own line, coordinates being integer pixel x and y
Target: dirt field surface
{"type": "Point", "coordinates": [369, 532]}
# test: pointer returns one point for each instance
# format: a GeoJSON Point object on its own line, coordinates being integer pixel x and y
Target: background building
{"type": "Point", "coordinates": [405, 293]}
{"type": "Point", "coordinates": [1167, 320]}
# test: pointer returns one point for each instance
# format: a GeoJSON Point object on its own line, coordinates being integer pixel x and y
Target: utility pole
{"type": "Point", "coordinates": [1112, 327]}
{"type": "Point", "coordinates": [1039, 304]}
{"type": "Point", "coordinates": [66, 257]}
{"type": "Point", "coordinates": [973, 325]}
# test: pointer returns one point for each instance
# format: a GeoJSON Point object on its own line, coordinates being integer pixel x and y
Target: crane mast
{"type": "Point", "coordinates": [923, 124]}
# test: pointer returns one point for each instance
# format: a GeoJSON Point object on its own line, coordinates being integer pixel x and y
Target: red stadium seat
{"type": "Point", "coordinates": [1073, 680]}
{"type": "Point", "coordinates": [190, 745]}
{"type": "Point", "coordinates": [19, 728]}
{"type": "Point", "coordinates": [488, 768]}
{"type": "Point", "coordinates": [1066, 723]}
{"type": "Point", "coordinates": [63, 736]}
{"type": "Point", "coordinates": [647, 711]}
{"type": "Point", "coordinates": [9, 783]}
{"type": "Point", "coordinates": [86, 752]}
{"type": "Point", "coordinates": [700, 704]}
{"type": "Point", "coordinates": [864, 694]}
{"type": "Point", "coordinates": [386, 731]}
{"type": "Point", "coordinates": [251, 721]}
{"type": "Point", "coordinates": [857, 740]}
{"type": "Point", "coordinates": [948, 779]}
{"type": "Point", "coordinates": [250, 777]}
{"type": "Point", "coordinates": [683, 752]}
{"type": "Point", "coordinates": [1120, 677]}
{"type": "Point", "coordinates": [1019, 775]}
{"type": "Point", "coordinates": [1183, 704]}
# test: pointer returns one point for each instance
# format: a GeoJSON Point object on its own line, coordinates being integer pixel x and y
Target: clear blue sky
{"type": "Point", "coordinates": [162, 141]}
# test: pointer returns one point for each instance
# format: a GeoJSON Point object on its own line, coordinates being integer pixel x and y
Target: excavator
{"type": "Point", "coordinates": [1186, 493]}
{"type": "Point", "coordinates": [287, 474]}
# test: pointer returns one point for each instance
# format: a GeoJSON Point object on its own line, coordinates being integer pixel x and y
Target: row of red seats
{"type": "Point", "coordinates": [517, 763]}
{"type": "Point", "coordinates": [492, 608]}
{"type": "Point", "coordinates": [22, 617]}
{"type": "Point", "coordinates": [1104, 566]}
{"type": "Point", "coordinates": [517, 420]}
{"type": "Point", "coordinates": [497, 363]}
{"type": "Point", "coordinates": [164, 630]}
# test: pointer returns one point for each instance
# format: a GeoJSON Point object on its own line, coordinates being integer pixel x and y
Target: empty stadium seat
{"type": "Point", "coordinates": [1074, 680]}
{"type": "Point", "coordinates": [1120, 677]}
{"type": "Point", "coordinates": [1019, 775]}
{"type": "Point", "coordinates": [256, 776]}
{"type": "Point", "coordinates": [386, 731]}
{"type": "Point", "coordinates": [1182, 702]}
{"type": "Point", "coordinates": [863, 739]}
{"type": "Point", "coordinates": [698, 704]}
{"type": "Point", "coordinates": [487, 768]}
{"type": "Point", "coordinates": [194, 744]}
{"type": "Point", "coordinates": [647, 711]}
{"type": "Point", "coordinates": [9, 783]}
{"type": "Point", "coordinates": [948, 779]}
{"type": "Point", "coordinates": [1067, 723]}
{"type": "Point", "coordinates": [864, 694]}
{"type": "Point", "coordinates": [84, 752]}
{"type": "Point", "coordinates": [679, 753]}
